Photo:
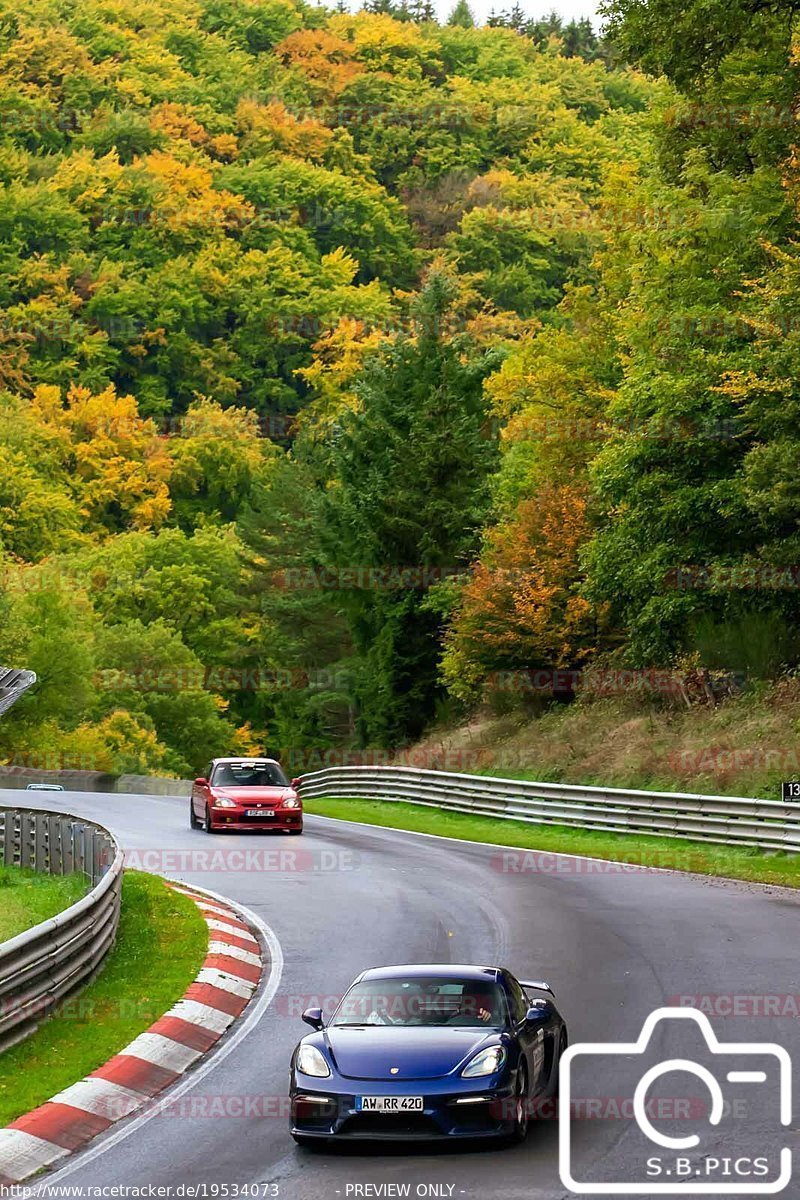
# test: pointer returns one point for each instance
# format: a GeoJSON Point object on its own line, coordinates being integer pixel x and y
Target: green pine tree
{"type": "Point", "coordinates": [462, 16]}
{"type": "Point", "coordinates": [410, 469]}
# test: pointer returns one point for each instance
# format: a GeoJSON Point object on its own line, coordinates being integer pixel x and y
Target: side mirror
{"type": "Point", "coordinates": [296, 782]}
{"type": "Point", "coordinates": [200, 781]}
{"type": "Point", "coordinates": [313, 1017]}
{"type": "Point", "coordinates": [538, 1012]}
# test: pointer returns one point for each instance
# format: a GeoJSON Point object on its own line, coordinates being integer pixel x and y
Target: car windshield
{"type": "Point", "coordinates": [415, 1002]}
{"type": "Point", "coordinates": [248, 774]}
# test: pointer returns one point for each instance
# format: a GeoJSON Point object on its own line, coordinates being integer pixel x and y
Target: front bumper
{"type": "Point", "coordinates": [469, 1112]}
{"type": "Point", "coordinates": [281, 822]}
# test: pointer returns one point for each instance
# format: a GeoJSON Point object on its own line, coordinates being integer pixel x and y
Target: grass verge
{"type": "Point", "coordinates": [744, 746]}
{"type": "Point", "coordinates": [28, 897]}
{"type": "Point", "coordinates": [160, 947]}
{"type": "Point", "coordinates": [732, 862]}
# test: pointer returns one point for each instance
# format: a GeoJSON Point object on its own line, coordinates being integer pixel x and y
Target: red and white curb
{"type": "Point", "coordinates": [153, 1061]}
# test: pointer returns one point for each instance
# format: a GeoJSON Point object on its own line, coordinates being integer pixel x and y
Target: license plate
{"type": "Point", "coordinates": [390, 1104]}
{"type": "Point", "coordinates": [259, 812]}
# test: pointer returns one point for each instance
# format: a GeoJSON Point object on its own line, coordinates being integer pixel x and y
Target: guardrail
{"type": "Point", "coordinates": [14, 776]}
{"type": "Point", "coordinates": [12, 684]}
{"type": "Point", "coordinates": [767, 824]}
{"type": "Point", "coordinates": [40, 966]}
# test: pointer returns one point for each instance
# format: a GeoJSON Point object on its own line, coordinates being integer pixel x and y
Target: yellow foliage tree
{"type": "Point", "coordinates": [121, 467]}
{"type": "Point", "coordinates": [272, 126]}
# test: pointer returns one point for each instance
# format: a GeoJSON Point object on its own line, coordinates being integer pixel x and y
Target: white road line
{"type": "Point", "coordinates": [443, 837]}
{"type": "Point", "coordinates": [253, 1015]}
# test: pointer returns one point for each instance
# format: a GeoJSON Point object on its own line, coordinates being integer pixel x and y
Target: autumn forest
{"type": "Point", "coordinates": [357, 368]}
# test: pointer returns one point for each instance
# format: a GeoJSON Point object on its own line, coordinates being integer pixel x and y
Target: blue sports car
{"type": "Point", "coordinates": [421, 1052]}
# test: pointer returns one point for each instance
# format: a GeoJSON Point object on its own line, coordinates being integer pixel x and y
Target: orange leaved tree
{"type": "Point", "coordinates": [521, 607]}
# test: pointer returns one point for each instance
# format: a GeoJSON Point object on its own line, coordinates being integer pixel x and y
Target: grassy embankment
{"type": "Point", "coordinates": [160, 946]}
{"type": "Point", "coordinates": [744, 747]}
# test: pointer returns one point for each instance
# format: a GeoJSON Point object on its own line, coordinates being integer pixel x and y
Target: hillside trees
{"type": "Point", "coordinates": [327, 341]}
{"type": "Point", "coordinates": [681, 486]}
{"type": "Point", "coordinates": [522, 607]}
{"type": "Point", "coordinates": [411, 467]}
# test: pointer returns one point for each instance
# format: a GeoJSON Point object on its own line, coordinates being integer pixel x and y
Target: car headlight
{"type": "Point", "coordinates": [224, 802]}
{"type": "Point", "coordinates": [310, 1061]}
{"type": "Point", "coordinates": [292, 802]}
{"type": "Point", "coordinates": [485, 1063]}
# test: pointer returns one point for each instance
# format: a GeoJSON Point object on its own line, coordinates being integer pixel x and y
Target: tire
{"type": "Point", "coordinates": [193, 821]}
{"type": "Point", "coordinates": [207, 826]}
{"type": "Point", "coordinates": [521, 1115]}
{"type": "Point", "coordinates": [295, 832]}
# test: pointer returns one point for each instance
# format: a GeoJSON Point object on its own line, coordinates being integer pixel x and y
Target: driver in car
{"type": "Point", "coordinates": [392, 1009]}
{"type": "Point", "coordinates": [476, 1007]}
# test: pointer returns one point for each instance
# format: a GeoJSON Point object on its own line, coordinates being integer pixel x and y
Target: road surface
{"type": "Point", "coordinates": [616, 944]}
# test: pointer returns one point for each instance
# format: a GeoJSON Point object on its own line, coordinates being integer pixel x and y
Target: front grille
{"type": "Point", "coordinates": [390, 1125]}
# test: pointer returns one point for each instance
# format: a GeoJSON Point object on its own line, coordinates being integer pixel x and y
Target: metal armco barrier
{"type": "Point", "coordinates": [12, 684]}
{"type": "Point", "coordinates": [767, 824]}
{"type": "Point", "coordinates": [41, 965]}
{"type": "Point", "coordinates": [15, 776]}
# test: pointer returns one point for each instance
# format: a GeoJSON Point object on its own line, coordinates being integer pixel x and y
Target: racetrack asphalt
{"type": "Point", "coordinates": [615, 943]}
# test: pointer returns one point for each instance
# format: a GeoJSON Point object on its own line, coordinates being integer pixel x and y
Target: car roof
{"type": "Point", "coordinates": [246, 758]}
{"type": "Point", "coordinates": [443, 970]}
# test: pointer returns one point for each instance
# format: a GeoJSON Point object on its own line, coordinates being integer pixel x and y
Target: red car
{"type": "Point", "coordinates": [245, 793]}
